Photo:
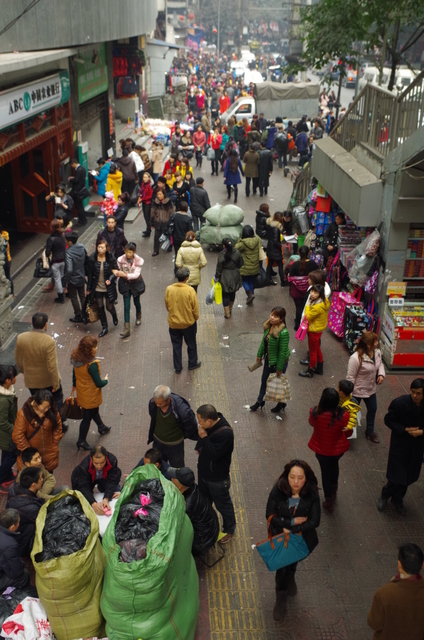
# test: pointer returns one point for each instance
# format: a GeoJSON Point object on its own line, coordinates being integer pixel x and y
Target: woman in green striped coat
{"type": "Point", "coordinates": [275, 352]}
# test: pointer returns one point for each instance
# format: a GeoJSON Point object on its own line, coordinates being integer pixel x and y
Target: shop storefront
{"type": "Point", "coordinates": [92, 80]}
{"type": "Point", "coordinates": [128, 63]}
{"type": "Point", "coordinates": [35, 147]}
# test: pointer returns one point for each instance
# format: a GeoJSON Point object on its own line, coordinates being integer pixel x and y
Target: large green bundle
{"type": "Point", "coordinates": [158, 597]}
{"type": "Point", "coordinates": [70, 587]}
{"type": "Point", "coordinates": [215, 235]}
{"type": "Point", "coordinates": [228, 215]}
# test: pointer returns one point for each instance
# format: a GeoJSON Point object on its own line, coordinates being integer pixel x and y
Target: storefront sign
{"type": "Point", "coordinates": [27, 100]}
{"type": "Point", "coordinates": [396, 288]}
{"type": "Point", "coordinates": [111, 125]}
{"type": "Point", "coordinates": [92, 73]}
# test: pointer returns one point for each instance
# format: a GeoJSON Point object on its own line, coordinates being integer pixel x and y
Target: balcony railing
{"type": "Point", "coordinates": [380, 120]}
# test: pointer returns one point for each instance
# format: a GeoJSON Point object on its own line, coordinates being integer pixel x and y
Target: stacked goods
{"type": "Point", "coordinates": [339, 301]}
{"type": "Point", "coordinates": [222, 222]}
{"type": "Point", "coordinates": [157, 596]}
{"type": "Point", "coordinates": [69, 564]}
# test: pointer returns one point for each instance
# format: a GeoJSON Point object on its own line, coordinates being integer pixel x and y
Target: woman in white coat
{"type": "Point", "coordinates": [130, 284]}
{"type": "Point", "coordinates": [191, 255]}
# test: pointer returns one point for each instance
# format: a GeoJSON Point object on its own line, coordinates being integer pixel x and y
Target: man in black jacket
{"type": "Point", "coordinates": [331, 236]}
{"type": "Point", "coordinates": [114, 236]}
{"type": "Point", "coordinates": [171, 421]}
{"type": "Point", "coordinates": [405, 419]}
{"type": "Point", "coordinates": [75, 260]}
{"type": "Point", "coordinates": [198, 508]}
{"type": "Point", "coordinates": [281, 145]}
{"type": "Point", "coordinates": [99, 468]}
{"type": "Point", "coordinates": [199, 203]}
{"type": "Point", "coordinates": [12, 567]}
{"type": "Point", "coordinates": [79, 188]}
{"type": "Point", "coordinates": [265, 169]}
{"type": "Point", "coordinates": [215, 447]}
{"type": "Point", "coordinates": [23, 497]}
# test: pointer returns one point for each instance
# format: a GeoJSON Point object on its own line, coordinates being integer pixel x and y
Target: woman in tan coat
{"type": "Point", "coordinates": [157, 153]}
{"type": "Point", "coordinates": [251, 170]}
{"type": "Point", "coordinates": [88, 384]}
{"type": "Point", "coordinates": [191, 255]}
{"type": "Point", "coordinates": [38, 425]}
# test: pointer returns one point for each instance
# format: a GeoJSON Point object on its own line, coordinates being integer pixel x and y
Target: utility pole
{"type": "Point", "coordinates": [219, 26]}
{"type": "Point", "coordinates": [240, 27]}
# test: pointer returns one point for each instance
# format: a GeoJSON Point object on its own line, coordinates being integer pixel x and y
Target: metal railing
{"type": "Point", "coordinates": [301, 187]}
{"type": "Point", "coordinates": [381, 120]}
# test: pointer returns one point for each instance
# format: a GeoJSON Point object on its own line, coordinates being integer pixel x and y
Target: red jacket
{"type": "Point", "coordinates": [168, 166]}
{"type": "Point", "coordinates": [215, 142]}
{"type": "Point", "coordinates": [329, 439]}
{"type": "Point", "coordinates": [146, 192]}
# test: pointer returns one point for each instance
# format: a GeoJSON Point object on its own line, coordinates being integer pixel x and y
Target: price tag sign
{"type": "Point", "coordinates": [396, 288]}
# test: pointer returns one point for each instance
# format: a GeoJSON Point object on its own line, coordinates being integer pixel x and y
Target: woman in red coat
{"type": "Point", "coordinates": [329, 442]}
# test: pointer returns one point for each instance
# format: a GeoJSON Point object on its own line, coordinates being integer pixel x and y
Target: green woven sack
{"type": "Point", "coordinates": [227, 216]}
{"type": "Point", "coordinates": [215, 235]}
{"type": "Point", "coordinates": [70, 587]}
{"type": "Point", "coordinates": [156, 598]}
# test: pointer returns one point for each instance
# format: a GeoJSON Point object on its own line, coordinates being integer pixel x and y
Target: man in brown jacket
{"type": "Point", "coordinates": [397, 610]}
{"type": "Point", "coordinates": [183, 312]}
{"type": "Point", "coordinates": [36, 358]}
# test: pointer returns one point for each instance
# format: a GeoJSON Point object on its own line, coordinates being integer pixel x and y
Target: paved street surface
{"type": "Point", "coordinates": [358, 545]}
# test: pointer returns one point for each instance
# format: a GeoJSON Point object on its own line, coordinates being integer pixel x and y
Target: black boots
{"type": "Point", "coordinates": [60, 298]}
{"type": "Point", "coordinates": [103, 320]}
{"type": "Point", "coordinates": [280, 604]}
{"type": "Point", "coordinates": [309, 373]}
{"type": "Point", "coordinates": [319, 369]}
{"type": "Point", "coordinates": [257, 405]}
{"type": "Point", "coordinates": [103, 429]}
{"type": "Point", "coordinates": [278, 407]}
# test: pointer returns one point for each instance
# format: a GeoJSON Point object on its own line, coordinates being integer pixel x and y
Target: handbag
{"type": "Point", "coordinates": [262, 254]}
{"type": "Point", "coordinates": [210, 154]}
{"type": "Point", "coordinates": [260, 280]}
{"type": "Point", "coordinates": [302, 332]}
{"type": "Point", "coordinates": [254, 366]}
{"type": "Point", "coordinates": [211, 296]}
{"type": "Point", "coordinates": [277, 388]}
{"type": "Point", "coordinates": [281, 550]}
{"type": "Point", "coordinates": [91, 310]}
{"type": "Point", "coordinates": [218, 291]}
{"type": "Point", "coordinates": [300, 283]}
{"type": "Point", "coordinates": [83, 193]}
{"type": "Point", "coordinates": [40, 271]}
{"type": "Point", "coordinates": [165, 245]}
{"type": "Point", "coordinates": [71, 410]}
{"type": "Point", "coordinates": [135, 194]}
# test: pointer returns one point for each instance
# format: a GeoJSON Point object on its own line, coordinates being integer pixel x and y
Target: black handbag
{"type": "Point", "coordinates": [260, 280]}
{"type": "Point", "coordinates": [71, 410]}
{"type": "Point", "coordinates": [82, 193]}
{"type": "Point", "coordinates": [40, 271]}
{"type": "Point", "coordinates": [135, 194]}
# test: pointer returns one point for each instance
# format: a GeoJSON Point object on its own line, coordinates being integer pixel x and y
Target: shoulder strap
{"type": "Point", "coordinates": [225, 426]}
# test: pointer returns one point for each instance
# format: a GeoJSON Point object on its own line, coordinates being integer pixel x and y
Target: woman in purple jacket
{"type": "Point", "coordinates": [232, 169]}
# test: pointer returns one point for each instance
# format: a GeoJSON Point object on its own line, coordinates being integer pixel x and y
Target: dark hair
{"type": "Point", "coordinates": [264, 208]}
{"type": "Point", "coordinates": [44, 395]}
{"type": "Point", "coordinates": [190, 236]}
{"type": "Point", "coordinates": [125, 197]}
{"type": "Point", "coordinates": [303, 252]}
{"type": "Point", "coordinates": [125, 153]}
{"type": "Point", "coordinates": [233, 160]}
{"type": "Point", "coordinates": [227, 243]}
{"type": "Point", "coordinates": [346, 387]}
{"type": "Point", "coordinates": [103, 241]}
{"type": "Point", "coordinates": [182, 274]}
{"type": "Point", "coordinates": [183, 206]}
{"type": "Point", "coordinates": [113, 168]}
{"type": "Point", "coordinates": [7, 372]}
{"type": "Point", "coordinates": [39, 320]}
{"type": "Point", "coordinates": [341, 215]}
{"type": "Point", "coordinates": [61, 187]}
{"type": "Point", "coordinates": [199, 180]}
{"type": "Point", "coordinates": [173, 156]}
{"type": "Point", "coordinates": [418, 383]}
{"type": "Point", "coordinates": [74, 161]}
{"type": "Point", "coordinates": [277, 216]}
{"type": "Point", "coordinates": [367, 339]}
{"type": "Point", "coordinates": [207, 412]}
{"type": "Point", "coordinates": [411, 558]}
{"type": "Point", "coordinates": [8, 518]}
{"type": "Point", "coordinates": [320, 290]}
{"type": "Point", "coordinates": [84, 351]}
{"type": "Point", "coordinates": [280, 312]}
{"type": "Point", "coordinates": [328, 403]}
{"type": "Point", "coordinates": [72, 237]}
{"type": "Point", "coordinates": [161, 179]}
{"type": "Point", "coordinates": [130, 246]}
{"type": "Point", "coordinates": [97, 451]}
{"type": "Point", "coordinates": [248, 231]}
{"type": "Point", "coordinates": [317, 277]}
{"type": "Point", "coordinates": [28, 454]}
{"type": "Point", "coordinates": [110, 218]}
{"type": "Point", "coordinates": [154, 455]}
{"type": "Point", "coordinates": [56, 226]}
{"type": "Point", "coordinates": [28, 476]}
{"type": "Point", "coordinates": [283, 480]}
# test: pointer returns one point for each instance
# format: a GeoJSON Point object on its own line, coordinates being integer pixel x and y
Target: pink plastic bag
{"type": "Point", "coordinates": [302, 332]}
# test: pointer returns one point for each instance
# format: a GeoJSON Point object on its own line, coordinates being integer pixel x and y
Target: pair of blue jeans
{"type": "Point", "coordinates": [371, 405]}
{"type": "Point", "coordinates": [248, 283]}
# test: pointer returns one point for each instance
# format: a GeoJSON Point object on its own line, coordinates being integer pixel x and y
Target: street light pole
{"type": "Point", "coordinates": [219, 25]}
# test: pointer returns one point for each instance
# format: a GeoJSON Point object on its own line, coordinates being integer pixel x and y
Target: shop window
{"type": "Point", "coordinates": [38, 161]}
{"type": "Point", "coordinates": [28, 205]}
{"type": "Point", "coordinates": [24, 165]}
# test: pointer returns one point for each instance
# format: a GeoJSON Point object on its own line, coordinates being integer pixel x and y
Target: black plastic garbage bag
{"type": "Point", "coordinates": [66, 529]}
{"type": "Point", "coordinates": [138, 529]}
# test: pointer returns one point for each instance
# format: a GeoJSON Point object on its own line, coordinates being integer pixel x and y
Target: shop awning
{"type": "Point", "coordinates": [357, 191]}
{"type": "Point", "coordinates": [10, 62]}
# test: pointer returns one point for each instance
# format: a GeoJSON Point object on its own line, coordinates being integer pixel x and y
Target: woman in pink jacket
{"type": "Point", "coordinates": [130, 283]}
{"type": "Point", "coordinates": [329, 442]}
{"type": "Point", "coordinates": [199, 141]}
{"type": "Point", "coordinates": [366, 371]}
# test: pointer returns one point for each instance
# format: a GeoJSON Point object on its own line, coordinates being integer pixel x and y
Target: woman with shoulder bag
{"type": "Point", "coordinates": [299, 282]}
{"type": "Point", "coordinates": [88, 383]}
{"type": "Point", "coordinates": [249, 246]}
{"type": "Point", "coordinates": [227, 273]}
{"type": "Point", "coordinates": [294, 500]}
{"type": "Point", "coordinates": [191, 255]}
{"type": "Point", "coordinates": [274, 349]}
{"type": "Point", "coordinates": [366, 371]}
{"type": "Point", "coordinates": [130, 283]}
{"type": "Point", "coordinates": [102, 269]}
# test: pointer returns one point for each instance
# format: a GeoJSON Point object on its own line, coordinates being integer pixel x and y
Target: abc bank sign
{"type": "Point", "coordinates": [22, 102]}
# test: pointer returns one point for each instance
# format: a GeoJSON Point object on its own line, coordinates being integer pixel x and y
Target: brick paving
{"type": "Point", "coordinates": [357, 550]}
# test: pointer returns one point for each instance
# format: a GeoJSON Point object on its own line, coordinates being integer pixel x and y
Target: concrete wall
{"type": "Point", "coordinates": [53, 24]}
{"type": "Point", "coordinates": [159, 61]}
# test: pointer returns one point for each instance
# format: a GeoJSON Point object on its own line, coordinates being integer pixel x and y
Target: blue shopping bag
{"type": "Point", "coordinates": [281, 550]}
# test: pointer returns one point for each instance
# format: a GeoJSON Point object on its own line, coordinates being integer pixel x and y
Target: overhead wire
{"type": "Point", "coordinates": [15, 20]}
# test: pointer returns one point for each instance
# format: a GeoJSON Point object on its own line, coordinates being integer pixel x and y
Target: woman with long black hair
{"type": "Point", "coordinates": [329, 441]}
{"type": "Point", "coordinates": [299, 282]}
{"type": "Point", "coordinates": [102, 270]}
{"type": "Point", "coordinates": [294, 505]}
{"type": "Point", "coordinates": [227, 273]}
{"type": "Point", "coordinates": [232, 169]}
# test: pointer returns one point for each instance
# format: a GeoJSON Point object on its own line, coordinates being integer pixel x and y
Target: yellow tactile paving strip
{"type": "Point", "coordinates": [235, 609]}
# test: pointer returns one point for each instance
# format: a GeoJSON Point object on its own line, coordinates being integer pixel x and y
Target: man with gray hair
{"type": "Point", "coordinates": [171, 421]}
{"type": "Point", "coordinates": [183, 312]}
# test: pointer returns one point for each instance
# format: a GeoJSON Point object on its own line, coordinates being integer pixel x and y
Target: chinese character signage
{"type": "Point", "coordinates": [92, 72]}
{"type": "Point", "coordinates": [27, 100]}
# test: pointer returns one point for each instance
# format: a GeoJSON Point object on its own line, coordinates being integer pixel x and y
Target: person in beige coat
{"type": "Point", "coordinates": [191, 255]}
{"type": "Point", "coordinates": [36, 358]}
{"type": "Point", "coordinates": [157, 154]}
{"type": "Point", "coordinates": [251, 170]}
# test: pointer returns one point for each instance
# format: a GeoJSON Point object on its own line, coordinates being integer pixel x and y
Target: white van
{"type": "Point", "coordinates": [371, 76]}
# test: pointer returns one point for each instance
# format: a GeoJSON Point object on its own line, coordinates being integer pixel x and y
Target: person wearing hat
{"type": "Point", "coordinates": [198, 508]}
